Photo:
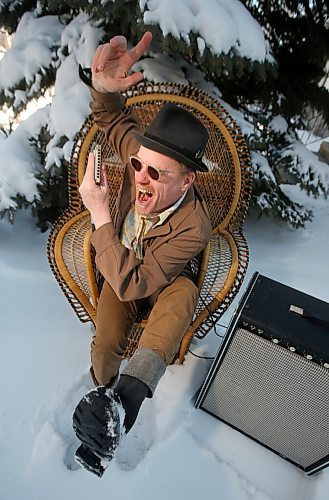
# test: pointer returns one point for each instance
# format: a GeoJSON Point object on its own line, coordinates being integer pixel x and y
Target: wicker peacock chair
{"type": "Point", "coordinates": [226, 189]}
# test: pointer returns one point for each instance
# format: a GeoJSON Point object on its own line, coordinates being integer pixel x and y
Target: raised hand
{"type": "Point", "coordinates": [112, 63]}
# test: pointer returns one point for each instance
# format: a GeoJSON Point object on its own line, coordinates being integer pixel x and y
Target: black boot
{"type": "Point", "coordinates": [101, 419]}
{"type": "Point", "coordinates": [131, 393]}
{"type": "Point", "coordinates": [98, 422]}
{"type": "Point", "coordinates": [104, 415]}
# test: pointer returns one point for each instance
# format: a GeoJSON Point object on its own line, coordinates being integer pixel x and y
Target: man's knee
{"type": "Point", "coordinates": [184, 293]}
{"type": "Point", "coordinates": [170, 317]}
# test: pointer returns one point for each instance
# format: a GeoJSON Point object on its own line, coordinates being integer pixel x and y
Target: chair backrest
{"type": "Point", "coordinates": [226, 189]}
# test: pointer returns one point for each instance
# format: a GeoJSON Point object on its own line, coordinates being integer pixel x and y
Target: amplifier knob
{"type": "Point", "coordinates": [309, 356]}
{"type": "Point", "coordinates": [326, 365]}
{"type": "Point", "coordinates": [275, 341]}
{"type": "Point", "coordinates": [292, 348]}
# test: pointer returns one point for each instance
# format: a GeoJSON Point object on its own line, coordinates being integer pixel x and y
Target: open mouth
{"type": "Point", "coordinates": [144, 195]}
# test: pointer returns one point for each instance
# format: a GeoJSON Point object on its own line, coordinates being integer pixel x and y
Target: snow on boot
{"type": "Point", "coordinates": [104, 415]}
{"type": "Point", "coordinates": [97, 422]}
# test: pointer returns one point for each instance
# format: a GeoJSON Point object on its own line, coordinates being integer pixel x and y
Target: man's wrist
{"type": "Point", "coordinates": [100, 218]}
{"type": "Point", "coordinates": [98, 87]}
{"type": "Point", "coordinates": [87, 78]}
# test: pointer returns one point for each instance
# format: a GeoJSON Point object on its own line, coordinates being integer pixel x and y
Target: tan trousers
{"type": "Point", "coordinates": [170, 316]}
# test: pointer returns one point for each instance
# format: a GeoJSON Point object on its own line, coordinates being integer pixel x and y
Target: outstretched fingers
{"type": "Point", "coordinates": [137, 51]}
{"type": "Point", "coordinates": [96, 65]}
{"type": "Point", "coordinates": [114, 49]}
{"type": "Point", "coordinates": [132, 79]}
{"type": "Point", "coordinates": [119, 43]}
{"type": "Point", "coordinates": [115, 62]}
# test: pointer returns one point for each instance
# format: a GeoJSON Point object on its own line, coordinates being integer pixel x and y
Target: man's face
{"type": "Point", "coordinates": [154, 196]}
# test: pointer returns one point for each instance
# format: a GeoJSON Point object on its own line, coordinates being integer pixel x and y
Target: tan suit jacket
{"type": "Point", "coordinates": [168, 247]}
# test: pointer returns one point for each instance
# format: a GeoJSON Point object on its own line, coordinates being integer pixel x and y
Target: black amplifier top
{"type": "Point", "coordinates": [292, 318]}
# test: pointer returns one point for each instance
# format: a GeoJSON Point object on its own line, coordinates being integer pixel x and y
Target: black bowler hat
{"type": "Point", "coordinates": [176, 133]}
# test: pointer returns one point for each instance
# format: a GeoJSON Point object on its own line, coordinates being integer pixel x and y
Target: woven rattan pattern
{"type": "Point", "coordinates": [226, 189]}
{"type": "Point", "coordinates": [73, 253]}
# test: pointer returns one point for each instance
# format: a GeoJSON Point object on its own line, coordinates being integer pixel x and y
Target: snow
{"type": "Point", "coordinates": [278, 124]}
{"type": "Point", "coordinates": [19, 161]}
{"type": "Point", "coordinates": [222, 25]}
{"type": "Point", "coordinates": [174, 450]}
{"type": "Point", "coordinates": [164, 68]}
{"type": "Point", "coordinates": [314, 170]}
{"type": "Point", "coordinates": [35, 36]}
{"type": "Point", "coordinates": [263, 168]}
{"type": "Point", "coordinates": [312, 141]}
{"type": "Point", "coordinates": [69, 106]}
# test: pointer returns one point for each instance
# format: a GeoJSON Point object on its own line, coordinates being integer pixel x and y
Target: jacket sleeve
{"type": "Point", "coordinates": [110, 116]}
{"type": "Point", "coordinates": [132, 278]}
{"type": "Point", "coordinates": [117, 124]}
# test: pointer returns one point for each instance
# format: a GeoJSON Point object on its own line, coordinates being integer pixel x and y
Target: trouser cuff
{"type": "Point", "coordinates": [147, 366]}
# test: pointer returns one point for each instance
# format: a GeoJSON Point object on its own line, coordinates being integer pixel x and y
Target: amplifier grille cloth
{"type": "Point", "coordinates": [273, 395]}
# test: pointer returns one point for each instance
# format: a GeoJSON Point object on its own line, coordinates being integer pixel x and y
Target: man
{"type": "Point", "coordinates": [161, 224]}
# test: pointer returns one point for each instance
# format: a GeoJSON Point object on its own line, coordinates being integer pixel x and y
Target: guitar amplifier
{"type": "Point", "coordinates": [270, 377]}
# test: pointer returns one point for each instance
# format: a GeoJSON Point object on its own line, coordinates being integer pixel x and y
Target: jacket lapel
{"type": "Point", "coordinates": [125, 199]}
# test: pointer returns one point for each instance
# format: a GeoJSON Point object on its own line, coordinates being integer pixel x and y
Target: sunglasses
{"type": "Point", "coordinates": [153, 172]}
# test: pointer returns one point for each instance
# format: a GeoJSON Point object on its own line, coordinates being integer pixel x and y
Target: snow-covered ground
{"type": "Point", "coordinates": [175, 451]}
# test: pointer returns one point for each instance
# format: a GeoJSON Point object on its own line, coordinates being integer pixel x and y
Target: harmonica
{"type": "Point", "coordinates": [97, 163]}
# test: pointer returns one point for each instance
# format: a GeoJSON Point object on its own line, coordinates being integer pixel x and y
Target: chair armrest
{"type": "Point", "coordinates": [222, 270]}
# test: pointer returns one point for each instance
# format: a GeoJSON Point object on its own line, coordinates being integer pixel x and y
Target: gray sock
{"type": "Point", "coordinates": [147, 366]}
